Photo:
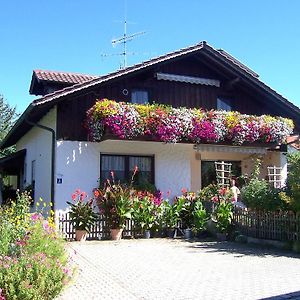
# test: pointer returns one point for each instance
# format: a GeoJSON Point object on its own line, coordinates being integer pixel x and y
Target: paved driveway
{"type": "Point", "coordinates": [176, 269]}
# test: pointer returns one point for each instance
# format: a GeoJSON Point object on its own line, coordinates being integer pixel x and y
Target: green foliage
{"type": "Point", "coordinates": [223, 215]}
{"type": "Point", "coordinates": [144, 212]}
{"type": "Point", "coordinates": [33, 261]}
{"type": "Point", "coordinates": [293, 181]}
{"type": "Point", "coordinates": [173, 212]}
{"type": "Point", "coordinates": [258, 194]}
{"type": "Point", "coordinates": [200, 216]}
{"type": "Point", "coordinates": [8, 117]}
{"type": "Point", "coordinates": [82, 213]}
{"type": "Point", "coordinates": [115, 203]}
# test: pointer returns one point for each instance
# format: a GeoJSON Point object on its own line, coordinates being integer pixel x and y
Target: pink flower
{"type": "Point", "coordinates": [183, 190]}
{"type": "Point", "coordinates": [36, 217]}
{"type": "Point", "coordinates": [74, 196]}
{"type": "Point", "coordinates": [82, 196]}
{"type": "Point", "coordinates": [78, 192]}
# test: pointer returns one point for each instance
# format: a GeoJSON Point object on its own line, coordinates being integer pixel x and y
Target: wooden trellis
{"type": "Point", "coordinates": [223, 173]}
{"type": "Point", "coordinates": [274, 176]}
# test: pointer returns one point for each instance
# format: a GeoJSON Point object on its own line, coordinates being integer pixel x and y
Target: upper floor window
{"type": "Point", "coordinates": [139, 96]}
{"type": "Point", "coordinates": [224, 104]}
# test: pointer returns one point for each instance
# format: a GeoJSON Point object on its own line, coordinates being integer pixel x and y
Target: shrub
{"type": "Point", "coordinates": [293, 183]}
{"type": "Point", "coordinates": [82, 213]}
{"type": "Point", "coordinates": [258, 194]}
{"type": "Point", "coordinates": [33, 261]}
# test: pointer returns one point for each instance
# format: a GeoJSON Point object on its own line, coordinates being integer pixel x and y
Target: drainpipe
{"type": "Point", "coordinates": [52, 157]}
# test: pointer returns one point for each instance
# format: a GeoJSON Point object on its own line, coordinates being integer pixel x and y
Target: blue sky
{"type": "Point", "coordinates": [71, 35]}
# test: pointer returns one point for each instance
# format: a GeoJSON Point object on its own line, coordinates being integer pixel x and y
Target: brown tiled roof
{"type": "Point", "coordinates": [236, 62]}
{"type": "Point", "coordinates": [63, 77]}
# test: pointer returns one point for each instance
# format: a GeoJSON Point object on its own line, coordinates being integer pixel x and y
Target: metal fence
{"type": "Point", "coordinates": [281, 226]}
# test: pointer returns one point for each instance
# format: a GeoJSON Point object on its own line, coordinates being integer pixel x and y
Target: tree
{"type": "Point", "coordinates": [8, 117]}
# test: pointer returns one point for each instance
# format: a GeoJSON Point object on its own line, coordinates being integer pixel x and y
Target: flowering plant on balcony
{"type": "Point", "coordinates": [172, 125]}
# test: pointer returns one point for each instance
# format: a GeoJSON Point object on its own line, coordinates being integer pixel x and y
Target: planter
{"type": "Point", "coordinates": [188, 234]}
{"type": "Point", "coordinates": [171, 233]}
{"type": "Point", "coordinates": [80, 235]}
{"type": "Point", "coordinates": [147, 234]}
{"type": "Point", "coordinates": [116, 234]}
{"type": "Point", "coordinates": [221, 237]}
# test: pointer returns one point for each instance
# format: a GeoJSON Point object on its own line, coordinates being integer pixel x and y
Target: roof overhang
{"type": "Point", "coordinates": [12, 164]}
{"type": "Point", "coordinates": [261, 150]}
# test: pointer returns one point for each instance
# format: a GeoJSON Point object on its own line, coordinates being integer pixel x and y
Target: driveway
{"type": "Point", "coordinates": [177, 269]}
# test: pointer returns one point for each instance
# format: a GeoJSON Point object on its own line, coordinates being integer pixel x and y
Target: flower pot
{"type": "Point", "coordinates": [116, 234]}
{"type": "Point", "coordinates": [221, 237]}
{"type": "Point", "coordinates": [188, 234]}
{"type": "Point", "coordinates": [80, 235]}
{"type": "Point", "coordinates": [147, 234]}
{"type": "Point", "coordinates": [171, 233]}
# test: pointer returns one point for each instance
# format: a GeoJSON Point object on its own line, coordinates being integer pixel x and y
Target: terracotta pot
{"type": "Point", "coordinates": [116, 234]}
{"type": "Point", "coordinates": [80, 235]}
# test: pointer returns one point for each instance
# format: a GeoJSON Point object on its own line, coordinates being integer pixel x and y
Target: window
{"type": "Point", "coordinates": [139, 96]}
{"type": "Point", "coordinates": [123, 167]}
{"type": "Point", "coordinates": [224, 104]}
{"type": "Point", "coordinates": [208, 171]}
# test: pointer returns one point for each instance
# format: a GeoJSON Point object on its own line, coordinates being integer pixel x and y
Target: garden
{"type": "Point", "coordinates": [34, 264]}
{"type": "Point", "coordinates": [211, 211]}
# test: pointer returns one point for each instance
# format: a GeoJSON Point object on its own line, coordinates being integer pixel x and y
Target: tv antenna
{"type": "Point", "coordinates": [124, 40]}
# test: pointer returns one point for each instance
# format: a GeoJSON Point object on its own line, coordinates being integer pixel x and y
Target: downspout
{"type": "Point", "coordinates": [52, 157]}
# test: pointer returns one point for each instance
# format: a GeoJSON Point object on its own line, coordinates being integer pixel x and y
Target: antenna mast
{"type": "Point", "coordinates": [124, 40]}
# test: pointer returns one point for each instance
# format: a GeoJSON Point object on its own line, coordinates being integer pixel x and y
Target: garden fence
{"type": "Point", "coordinates": [100, 229]}
{"type": "Point", "coordinates": [281, 226]}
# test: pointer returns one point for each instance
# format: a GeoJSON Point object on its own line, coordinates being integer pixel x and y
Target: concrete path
{"type": "Point", "coordinates": [176, 269]}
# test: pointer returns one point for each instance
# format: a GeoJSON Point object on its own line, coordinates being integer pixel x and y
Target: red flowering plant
{"type": "Point", "coordinates": [146, 208]}
{"type": "Point", "coordinates": [82, 211]}
{"type": "Point", "coordinates": [115, 201]}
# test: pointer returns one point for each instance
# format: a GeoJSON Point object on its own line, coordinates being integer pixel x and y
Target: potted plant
{"type": "Point", "coordinates": [199, 216]}
{"type": "Point", "coordinates": [223, 212]}
{"type": "Point", "coordinates": [186, 214]}
{"type": "Point", "coordinates": [82, 214]}
{"type": "Point", "coordinates": [114, 201]}
{"type": "Point", "coordinates": [172, 215]}
{"type": "Point", "coordinates": [144, 213]}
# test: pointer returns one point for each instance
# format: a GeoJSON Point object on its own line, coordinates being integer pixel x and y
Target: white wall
{"type": "Point", "coordinates": [38, 143]}
{"type": "Point", "coordinates": [78, 165]}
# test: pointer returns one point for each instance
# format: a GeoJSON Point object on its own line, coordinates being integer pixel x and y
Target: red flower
{"type": "Point", "coordinates": [96, 193]}
{"type": "Point", "coordinates": [183, 190]}
{"type": "Point", "coordinates": [82, 196]}
{"type": "Point", "coordinates": [74, 196]}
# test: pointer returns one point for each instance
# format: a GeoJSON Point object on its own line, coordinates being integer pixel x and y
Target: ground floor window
{"type": "Point", "coordinates": [123, 168]}
{"type": "Point", "coordinates": [208, 171]}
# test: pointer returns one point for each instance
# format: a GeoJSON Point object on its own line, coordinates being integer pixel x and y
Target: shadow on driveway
{"type": "Point", "coordinates": [238, 249]}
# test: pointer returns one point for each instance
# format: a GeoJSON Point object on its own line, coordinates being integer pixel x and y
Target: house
{"type": "Point", "coordinates": [55, 156]}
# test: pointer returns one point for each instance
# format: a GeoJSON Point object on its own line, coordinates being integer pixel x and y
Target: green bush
{"type": "Point", "coordinates": [293, 182]}
{"type": "Point", "coordinates": [258, 194]}
{"type": "Point", "coordinates": [33, 260]}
